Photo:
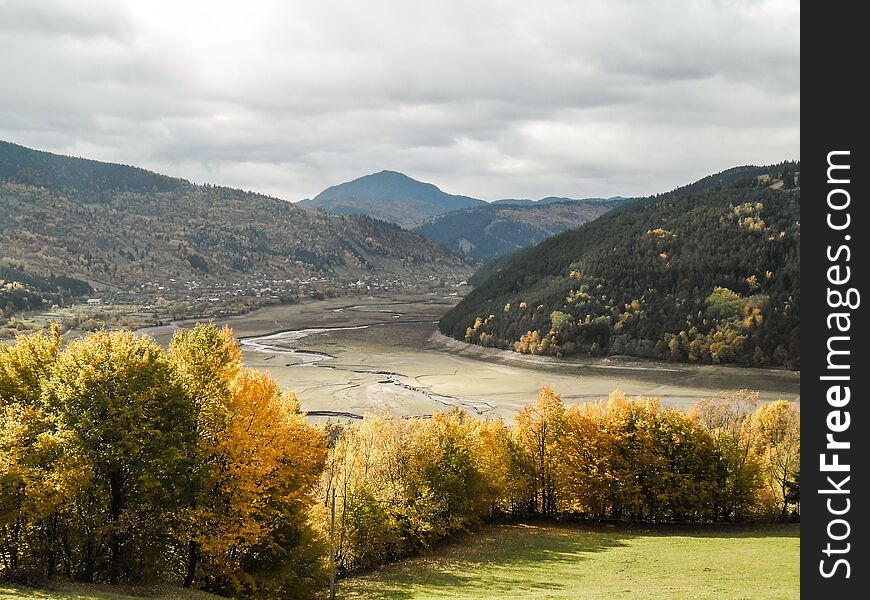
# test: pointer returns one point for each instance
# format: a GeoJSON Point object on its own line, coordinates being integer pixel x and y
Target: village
{"type": "Point", "coordinates": [163, 301]}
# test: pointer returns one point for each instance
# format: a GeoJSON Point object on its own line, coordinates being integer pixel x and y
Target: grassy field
{"type": "Point", "coordinates": [541, 561]}
{"type": "Point", "coordinates": [538, 561]}
{"type": "Point", "coordinates": [69, 591]}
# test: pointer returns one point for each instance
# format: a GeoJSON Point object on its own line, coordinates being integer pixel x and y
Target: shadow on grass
{"type": "Point", "coordinates": [498, 559]}
{"type": "Point", "coordinates": [507, 559]}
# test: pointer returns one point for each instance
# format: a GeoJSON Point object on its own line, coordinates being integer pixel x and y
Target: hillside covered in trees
{"type": "Point", "coordinates": [116, 227]}
{"type": "Point", "coordinates": [709, 272]}
{"type": "Point", "coordinates": [486, 232]}
{"type": "Point", "coordinates": [21, 291]}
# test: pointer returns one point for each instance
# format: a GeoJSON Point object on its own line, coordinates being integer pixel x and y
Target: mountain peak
{"type": "Point", "coordinates": [391, 196]}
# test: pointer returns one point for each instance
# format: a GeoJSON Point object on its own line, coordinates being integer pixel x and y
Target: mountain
{"type": "Point", "coordinates": [552, 200]}
{"type": "Point", "coordinates": [709, 272]}
{"type": "Point", "coordinates": [472, 227]}
{"type": "Point", "coordinates": [486, 232]}
{"type": "Point", "coordinates": [52, 171]}
{"type": "Point", "coordinates": [389, 196]}
{"type": "Point", "coordinates": [117, 228]}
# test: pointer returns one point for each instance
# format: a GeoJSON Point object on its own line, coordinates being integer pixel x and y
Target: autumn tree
{"type": "Point", "coordinates": [588, 479]}
{"type": "Point", "coordinates": [403, 484]}
{"type": "Point", "coordinates": [131, 423]}
{"type": "Point", "coordinates": [538, 429]}
{"type": "Point", "coordinates": [684, 462]}
{"type": "Point", "coordinates": [728, 420]}
{"type": "Point", "coordinates": [254, 465]}
{"type": "Point", "coordinates": [37, 481]}
{"type": "Point", "coordinates": [497, 457]}
{"type": "Point", "coordinates": [206, 361]}
{"type": "Point", "coordinates": [777, 445]}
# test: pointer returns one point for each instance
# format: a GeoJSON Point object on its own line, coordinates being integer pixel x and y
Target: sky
{"type": "Point", "coordinates": [484, 98]}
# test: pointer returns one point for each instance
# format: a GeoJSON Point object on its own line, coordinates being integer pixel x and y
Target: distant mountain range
{"type": "Point", "coordinates": [117, 227]}
{"type": "Point", "coordinates": [709, 273]}
{"type": "Point", "coordinates": [473, 227]}
{"type": "Point", "coordinates": [389, 196]}
{"type": "Point", "coordinates": [554, 200]}
{"type": "Point", "coordinates": [486, 232]}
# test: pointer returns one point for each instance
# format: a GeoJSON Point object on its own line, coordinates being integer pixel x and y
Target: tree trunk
{"type": "Point", "coordinates": [52, 542]}
{"type": "Point", "coordinates": [115, 503]}
{"type": "Point", "coordinates": [192, 561]}
{"type": "Point", "coordinates": [13, 547]}
{"type": "Point", "coordinates": [87, 570]}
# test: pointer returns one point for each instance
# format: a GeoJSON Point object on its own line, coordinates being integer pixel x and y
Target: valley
{"type": "Point", "coordinates": [408, 301]}
{"type": "Point", "coordinates": [346, 357]}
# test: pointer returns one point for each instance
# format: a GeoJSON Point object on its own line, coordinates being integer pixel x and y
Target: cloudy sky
{"type": "Point", "coordinates": [484, 98]}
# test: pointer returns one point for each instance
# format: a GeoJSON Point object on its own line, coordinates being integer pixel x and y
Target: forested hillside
{"type": "Point", "coordinates": [44, 169]}
{"type": "Point", "coordinates": [709, 272]}
{"type": "Point", "coordinates": [485, 232]}
{"type": "Point", "coordinates": [117, 227]}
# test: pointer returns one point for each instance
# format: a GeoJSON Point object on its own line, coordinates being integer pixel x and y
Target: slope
{"type": "Point", "coordinates": [121, 228]}
{"type": "Point", "coordinates": [709, 272]}
{"type": "Point", "coordinates": [486, 232]}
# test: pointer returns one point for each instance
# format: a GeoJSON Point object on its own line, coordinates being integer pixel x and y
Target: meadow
{"type": "Point", "coordinates": [77, 591]}
{"type": "Point", "coordinates": [541, 560]}
{"type": "Point", "coordinates": [537, 561]}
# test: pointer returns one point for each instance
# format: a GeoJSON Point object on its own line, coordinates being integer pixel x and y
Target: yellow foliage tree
{"type": "Point", "coordinates": [256, 461]}
{"type": "Point", "coordinates": [777, 428]}
{"type": "Point", "coordinates": [537, 430]}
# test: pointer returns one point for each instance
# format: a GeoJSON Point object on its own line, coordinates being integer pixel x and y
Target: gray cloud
{"type": "Point", "coordinates": [484, 98]}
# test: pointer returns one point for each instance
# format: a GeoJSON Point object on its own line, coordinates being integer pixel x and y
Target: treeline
{"type": "Point", "coordinates": [707, 273]}
{"type": "Point", "coordinates": [402, 484]}
{"type": "Point", "coordinates": [92, 177]}
{"type": "Point", "coordinates": [21, 291]}
{"type": "Point", "coordinates": [124, 462]}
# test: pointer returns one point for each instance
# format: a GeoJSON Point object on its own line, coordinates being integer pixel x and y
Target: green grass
{"type": "Point", "coordinates": [538, 561]}
{"type": "Point", "coordinates": [69, 591]}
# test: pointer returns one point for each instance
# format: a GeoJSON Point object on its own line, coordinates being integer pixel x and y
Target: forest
{"type": "Point", "coordinates": [486, 232]}
{"type": "Point", "coordinates": [707, 273]}
{"type": "Point", "coordinates": [123, 462]}
{"type": "Point", "coordinates": [119, 227]}
{"type": "Point", "coordinates": [22, 291]}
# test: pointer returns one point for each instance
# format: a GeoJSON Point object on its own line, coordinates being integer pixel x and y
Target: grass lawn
{"type": "Point", "coordinates": [580, 562]}
{"type": "Point", "coordinates": [69, 591]}
{"type": "Point", "coordinates": [539, 560]}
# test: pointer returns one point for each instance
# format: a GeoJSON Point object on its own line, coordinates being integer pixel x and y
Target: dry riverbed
{"type": "Point", "coordinates": [346, 357]}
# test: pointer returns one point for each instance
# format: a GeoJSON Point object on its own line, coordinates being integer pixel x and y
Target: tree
{"type": "Point", "coordinates": [36, 479]}
{"type": "Point", "coordinates": [206, 361]}
{"type": "Point", "coordinates": [538, 429]}
{"type": "Point", "coordinates": [777, 444]}
{"type": "Point", "coordinates": [253, 467]}
{"type": "Point", "coordinates": [587, 477]}
{"type": "Point", "coordinates": [131, 423]}
{"type": "Point", "coordinates": [738, 474]}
